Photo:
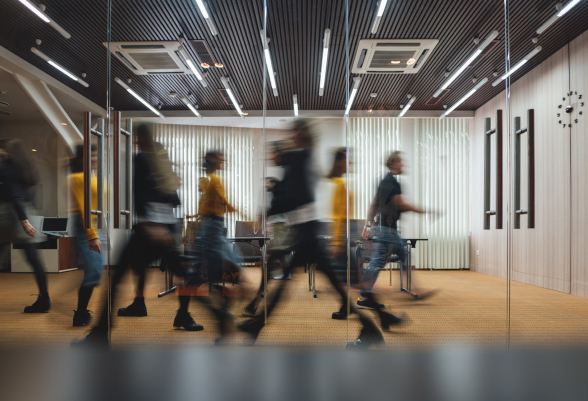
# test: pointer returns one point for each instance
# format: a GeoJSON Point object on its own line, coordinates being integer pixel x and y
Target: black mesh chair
{"type": "Point", "coordinates": [251, 254]}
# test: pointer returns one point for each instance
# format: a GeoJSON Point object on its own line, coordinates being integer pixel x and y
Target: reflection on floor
{"type": "Point", "coordinates": [470, 309]}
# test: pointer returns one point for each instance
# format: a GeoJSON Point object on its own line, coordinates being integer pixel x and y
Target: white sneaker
{"type": "Point", "coordinates": [281, 277]}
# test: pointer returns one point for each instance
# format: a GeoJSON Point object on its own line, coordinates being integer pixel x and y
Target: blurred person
{"type": "Point", "coordinates": [191, 225]}
{"type": "Point", "coordinates": [18, 175]}
{"type": "Point", "coordinates": [300, 178]}
{"type": "Point", "coordinates": [155, 195]}
{"type": "Point", "coordinates": [388, 205]}
{"type": "Point", "coordinates": [214, 262]}
{"type": "Point", "coordinates": [88, 242]}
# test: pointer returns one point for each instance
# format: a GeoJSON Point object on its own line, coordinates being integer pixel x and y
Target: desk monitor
{"type": "Point", "coordinates": [55, 224]}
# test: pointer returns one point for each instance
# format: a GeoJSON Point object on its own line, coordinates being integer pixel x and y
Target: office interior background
{"type": "Point", "coordinates": [485, 100]}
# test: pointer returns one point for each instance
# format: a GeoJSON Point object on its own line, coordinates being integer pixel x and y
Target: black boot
{"type": "Point", "coordinates": [41, 305]}
{"type": "Point", "coordinates": [137, 308]}
{"type": "Point", "coordinates": [97, 338]}
{"type": "Point", "coordinates": [183, 319]}
{"type": "Point", "coordinates": [388, 319]}
{"type": "Point", "coordinates": [367, 337]}
{"type": "Point", "coordinates": [81, 318]}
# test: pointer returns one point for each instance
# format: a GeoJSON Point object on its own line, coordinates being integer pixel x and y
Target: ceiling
{"type": "Point", "coordinates": [296, 31]}
{"type": "Point", "coordinates": [21, 107]}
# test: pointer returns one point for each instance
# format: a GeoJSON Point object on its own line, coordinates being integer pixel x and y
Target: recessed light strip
{"type": "Point", "coordinates": [191, 64]}
{"type": "Point", "coordinates": [40, 13]}
{"type": "Point", "coordinates": [139, 98]}
{"type": "Point", "coordinates": [268, 62]}
{"type": "Point", "coordinates": [225, 82]}
{"type": "Point", "coordinates": [356, 82]}
{"type": "Point", "coordinates": [461, 69]}
{"type": "Point", "coordinates": [379, 13]}
{"type": "Point", "coordinates": [192, 108]}
{"type": "Point", "coordinates": [407, 106]}
{"type": "Point", "coordinates": [463, 99]}
{"type": "Point", "coordinates": [203, 6]}
{"type": "Point", "coordinates": [518, 65]}
{"type": "Point", "coordinates": [295, 105]}
{"type": "Point", "coordinates": [326, 42]}
{"type": "Point", "coordinates": [57, 66]}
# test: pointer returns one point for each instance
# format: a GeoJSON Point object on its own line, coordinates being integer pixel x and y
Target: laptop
{"type": "Point", "coordinates": [55, 226]}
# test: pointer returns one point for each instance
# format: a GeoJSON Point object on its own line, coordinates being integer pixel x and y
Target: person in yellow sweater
{"type": "Point", "coordinates": [88, 242]}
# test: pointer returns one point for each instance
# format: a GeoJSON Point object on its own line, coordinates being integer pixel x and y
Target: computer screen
{"type": "Point", "coordinates": [55, 224]}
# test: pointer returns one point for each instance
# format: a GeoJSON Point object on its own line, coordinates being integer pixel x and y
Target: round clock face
{"type": "Point", "coordinates": [571, 110]}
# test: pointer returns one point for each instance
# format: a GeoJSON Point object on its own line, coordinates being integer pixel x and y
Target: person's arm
{"type": "Point", "coordinates": [218, 187]}
{"type": "Point", "coordinates": [404, 206]}
{"type": "Point", "coordinates": [18, 199]}
{"type": "Point", "coordinates": [77, 188]}
{"type": "Point", "coordinates": [370, 217]}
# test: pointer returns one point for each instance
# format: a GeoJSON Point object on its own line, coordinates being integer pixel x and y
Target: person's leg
{"type": "Point", "coordinates": [43, 304]}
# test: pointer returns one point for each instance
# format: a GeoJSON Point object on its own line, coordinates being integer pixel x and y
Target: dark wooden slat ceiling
{"type": "Point", "coordinates": [296, 30]}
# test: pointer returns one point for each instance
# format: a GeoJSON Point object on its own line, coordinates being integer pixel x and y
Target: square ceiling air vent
{"type": "Point", "coordinates": [392, 56]}
{"type": "Point", "coordinates": [150, 58]}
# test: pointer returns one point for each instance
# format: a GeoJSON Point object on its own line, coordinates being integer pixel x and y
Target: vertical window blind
{"type": "Point", "coordinates": [187, 145]}
{"type": "Point", "coordinates": [442, 183]}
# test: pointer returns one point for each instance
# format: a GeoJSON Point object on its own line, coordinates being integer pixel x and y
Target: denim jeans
{"type": "Point", "coordinates": [93, 266]}
{"type": "Point", "coordinates": [386, 242]}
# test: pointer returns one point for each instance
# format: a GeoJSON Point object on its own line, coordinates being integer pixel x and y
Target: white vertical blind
{"type": "Point", "coordinates": [442, 183]}
{"type": "Point", "coordinates": [371, 140]}
{"type": "Point", "coordinates": [187, 145]}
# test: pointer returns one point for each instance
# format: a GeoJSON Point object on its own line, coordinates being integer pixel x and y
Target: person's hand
{"type": "Point", "coordinates": [95, 245]}
{"type": "Point", "coordinates": [366, 232]}
{"type": "Point", "coordinates": [28, 228]}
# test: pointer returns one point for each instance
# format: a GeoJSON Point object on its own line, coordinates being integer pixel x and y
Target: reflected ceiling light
{"type": "Point", "coordinates": [518, 65]}
{"type": "Point", "coordinates": [470, 60]}
{"type": "Point", "coordinates": [410, 61]}
{"type": "Point", "coordinates": [561, 11]}
{"type": "Point", "coordinates": [60, 68]}
{"type": "Point", "coordinates": [356, 82]}
{"type": "Point", "coordinates": [463, 99]}
{"type": "Point", "coordinates": [218, 65]}
{"type": "Point", "coordinates": [268, 62]}
{"type": "Point", "coordinates": [326, 42]}
{"type": "Point", "coordinates": [395, 62]}
{"type": "Point", "coordinates": [139, 98]}
{"type": "Point", "coordinates": [295, 105]}
{"type": "Point", "coordinates": [407, 106]}
{"type": "Point", "coordinates": [381, 6]}
{"type": "Point", "coordinates": [225, 82]}
{"type": "Point", "coordinates": [192, 108]}
{"type": "Point", "coordinates": [204, 65]}
{"type": "Point", "coordinates": [63, 124]}
{"type": "Point", "coordinates": [191, 64]}
{"type": "Point", "coordinates": [39, 12]}
{"type": "Point", "coordinates": [203, 6]}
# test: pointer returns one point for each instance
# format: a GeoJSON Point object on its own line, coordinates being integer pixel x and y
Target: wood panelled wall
{"type": "Point", "coordinates": [554, 254]}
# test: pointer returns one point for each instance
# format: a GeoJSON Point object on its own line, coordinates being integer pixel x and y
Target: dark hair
{"type": "Point", "coordinates": [210, 160]}
{"type": "Point", "coordinates": [273, 180]}
{"type": "Point", "coordinates": [76, 163]}
{"type": "Point", "coordinates": [145, 134]}
{"type": "Point", "coordinates": [21, 161]}
{"type": "Point", "coordinates": [340, 154]}
{"type": "Point", "coordinates": [303, 129]}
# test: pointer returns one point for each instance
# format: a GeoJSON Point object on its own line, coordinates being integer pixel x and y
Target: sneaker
{"type": "Point", "coordinates": [369, 304]}
{"type": "Point", "coordinates": [81, 318]}
{"type": "Point", "coordinates": [137, 308]}
{"type": "Point", "coordinates": [282, 277]}
{"type": "Point", "coordinates": [41, 305]}
{"type": "Point", "coordinates": [183, 319]}
{"type": "Point", "coordinates": [366, 339]}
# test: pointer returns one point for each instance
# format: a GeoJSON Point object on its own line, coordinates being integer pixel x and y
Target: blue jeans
{"type": "Point", "coordinates": [386, 242]}
{"type": "Point", "coordinates": [93, 266]}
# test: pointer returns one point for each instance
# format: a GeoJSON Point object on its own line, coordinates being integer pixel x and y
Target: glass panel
{"type": "Point", "coordinates": [548, 174]}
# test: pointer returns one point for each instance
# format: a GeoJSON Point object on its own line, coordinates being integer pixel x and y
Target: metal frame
{"type": "Point", "coordinates": [487, 166]}
{"type": "Point", "coordinates": [118, 130]}
{"type": "Point", "coordinates": [100, 134]}
{"type": "Point", "coordinates": [530, 130]}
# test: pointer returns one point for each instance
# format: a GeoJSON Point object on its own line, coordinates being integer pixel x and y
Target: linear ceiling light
{"type": "Point", "coordinates": [139, 98]}
{"type": "Point", "coordinates": [469, 61]}
{"type": "Point", "coordinates": [405, 109]}
{"type": "Point", "coordinates": [192, 66]}
{"type": "Point", "coordinates": [518, 65]}
{"type": "Point", "coordinates": [203, 6]}
{"type": "Point", "coordinates": [225, 82]}
{"type": "Point", "coordinates": [463, 99]}
{"type": "Point", "coordinates": [60, 68]}
{"type": "Point", "coordinates": [326, 42]}
{"type": "Point", "coordinates": [192, 108]}
{"type": "Point", "coordinates": [381, 6]}
{"type": "Point", "coordinates": [356, 82]}
{"type": "Point", "coordinates": [39, 12]}
{"type": "Point", "coordinates": [268, 62]}
{"type": "Point", "coordinates": [561, 11]}
{"type": "Point", "coordinates": [295, 105]}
